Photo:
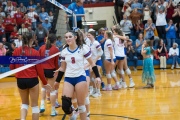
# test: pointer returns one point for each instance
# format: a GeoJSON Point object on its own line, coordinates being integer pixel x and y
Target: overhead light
{"type": "Point", "coordinates": [90, 23]}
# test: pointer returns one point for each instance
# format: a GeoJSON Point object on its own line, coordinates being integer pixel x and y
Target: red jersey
{"type": "Point", "coordinates": [53, 62]}
{"type": "Point", "coordinates": [9, 24]}
{"type": "Point", "coordinates": [27, 22]}
{"type": "Point", "coordinates": [31, 72]}
{"type": "Point", "coordinates": [19, 18]}
{"type": "Point", "coordinates": [14, 35]}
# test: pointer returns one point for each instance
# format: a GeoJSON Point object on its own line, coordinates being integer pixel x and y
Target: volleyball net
{"type": "Point", "coordinates": [57, 4]}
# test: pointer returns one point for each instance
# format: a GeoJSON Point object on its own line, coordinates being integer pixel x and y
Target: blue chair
{"type": "Point", "coordinates": [133, 38]}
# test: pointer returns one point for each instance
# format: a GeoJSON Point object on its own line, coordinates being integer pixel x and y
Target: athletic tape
{"type": "Point", "coordinates": [26, 66]}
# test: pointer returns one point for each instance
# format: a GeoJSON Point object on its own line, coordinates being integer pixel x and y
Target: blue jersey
{"type": "Point", "coordinates": [77, 10]}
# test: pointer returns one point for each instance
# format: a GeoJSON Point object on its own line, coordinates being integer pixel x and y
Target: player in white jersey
{"type": "Point", "coordinates": [110, 61]}
{"type": "Point", "coordinates": [96, 56]}
{"type": "Point", "coordinates": [119, 52]}
{"type": "Point", "coordinates": [73, 56]}
{"type": "Point", "coordinates": [126, 68]}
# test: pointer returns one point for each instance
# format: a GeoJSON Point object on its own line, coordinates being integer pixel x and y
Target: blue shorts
{"type": "Point", "coordinates": [75, 80]}
{"type": "Point", "coordinates": [119, 58]}
{"type": "Point", "coordinates": [125, 51]}
{"type": "Point", "coordinates": [99, 62]}
{"type": "Point", "coordinates": [110, 60]}
{"type": "Point", "coordinates": [87, 73]}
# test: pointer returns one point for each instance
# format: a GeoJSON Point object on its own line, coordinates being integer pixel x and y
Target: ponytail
{"type": "Point", "coordinates": [50, 40]}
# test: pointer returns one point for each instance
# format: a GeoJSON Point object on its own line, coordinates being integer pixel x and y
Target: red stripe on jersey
{"type": "Point", "coordinates": [86, 55]}
{"type": "Point", "coordinates": [53, 62]}
{"type": "Point", "coordinates": [98, 46]}
{"type": "Point", "coordinates": [31, 72]}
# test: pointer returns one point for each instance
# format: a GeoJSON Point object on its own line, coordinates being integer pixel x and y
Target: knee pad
{"type": "Point", "coordinates": [52, 93]}
{"type": "Point", "coordinates": [113, 73]}
{"type": "Point", "coordinates": [121, 72]}
{"type": "Point", "coordinates": [24, 106]}
{"type": "Point", "coordinates": [87, 101]}
{"type": "Point", "coordinates": [43, 89]}
{"type": "Point", "coordinates": [74, 100]}
{"type": "Point", "coordinates": [35, 109]}
{"type": "Point", "coordinates": [82, 109]}
{"type": "Point", "coordinates": [92, 79]}
{"type": "Point", "coordinates": [128, 71]}
{"type": "Point", "coordinates": [108, 76]}
{"type": "Point", "coordinates": [66, 105]}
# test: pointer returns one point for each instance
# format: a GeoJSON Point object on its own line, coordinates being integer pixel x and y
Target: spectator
{"type": "Point", "coordinates": [118, 6]}
{"type": "Point", "coordinates": [51, 17]}
{"type": "Point", "coordinates": [14, 35]}
{"type": "Point", "coordinates": [161, 22]}
{"type": "Point", "coordinates": [13, 46]}
{"type": "Point", "coordinates": [170, 33]}
{"type": "Point", "coordinates": [19, 18]}
{"type": "Point", "coordinates": [2, 31]}
{"type": "Point", "coordinates": [2, 50]}
{"type": "Point", "coordinates": [174, 53]}
{"type": "Point", "coordinates": [46, 24]}
{"type": "Point", "coordinates": [138, 6]}
{"type": "Point", "coordinates": [31, 5]}
{"type": "Point", "coordinates": [147, 14]}
{"type": "Point", "coordinates": [59, 43]}
{"type": "Point", "coordinates": [38, 8]}
{"type": "Point", "coordinates": [30, 31]}
{"type": "Point", "coordinates": [78, 8]}
{"type": "Point", "coordinates": [13, 12]}
{"type": "Point", "coordinates": [176, 15]}
{"type": "Point", "coordinates": [9, 7]}
{"type": "Point", "coordinates": [162, 54]}
{"type": "Point", "coordinates": [135, 16]}
{"type": "Point", "coordinates": [40, 34]}
{"type": "Point", "coordinates": [33, 16]}
{"type": "Point", "coordinates": [170, 11]}
{"type": "Point", "coordinates": [149, 30]}
{"type": "Point", "coordinates": [139, 43]}
{"type": "Point", "coordinates": [18, 41]}
{"type": "Point", "coordinates": [46, 4]}
{"type": "Point", "coordinates": [126, 25]}
{"type": "Point", "coordinates": [22, 30]}
{"type": "Point", "coordinates": [147, 3]}
{"type": "Point", "coordinates": [9, 26]}
{"type": "Point", "coordinates": [2, 14]}
{"type": "Point", "coordinates": [7, 46]}
{"type": "Point", "coordinates": [132, 54]}
{"type": "Point", "coordinates": [27, 21]}
{"type": "Point", "coordinates": [43, 15]}
{"type": "Point", "coordinates": [139, 28]}
{"type": "Point", "coordinates": [126, 9]}
{"type": "Point", "coordinates": [22, 8]}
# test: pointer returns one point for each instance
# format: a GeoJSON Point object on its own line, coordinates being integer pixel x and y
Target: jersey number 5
{"type": "Point", "coordinates": [73, 60]}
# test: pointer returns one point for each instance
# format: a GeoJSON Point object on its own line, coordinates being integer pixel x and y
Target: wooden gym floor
{"type": "Point", "coordinates": [160, 103]}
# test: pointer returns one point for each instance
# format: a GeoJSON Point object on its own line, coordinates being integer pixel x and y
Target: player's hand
{"type": "Point", "coordinates": [48, 87]}
{"type": "Point", "coordinates": [56, 73]}
{"type": "Point", "coordinates": [98, 80]}
{"type": "Point", "coordinates": [56, 85]}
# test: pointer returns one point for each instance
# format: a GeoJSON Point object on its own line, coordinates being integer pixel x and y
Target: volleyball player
{"type": "Point", "coordinates": [27, 80]}
{"type": "Point", "coordinates": [109, 62]}
{"type": "Point", "coordinates": [73, 56]}
{"type": "Point", "coordinates": [96, 56]}
{"type": "Point", "coordinates": [49, 67]}
{"type": "Point", "coordinates": [119, 52]}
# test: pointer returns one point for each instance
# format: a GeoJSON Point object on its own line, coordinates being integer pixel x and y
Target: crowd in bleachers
{"type": "Point", "coordinates": [156, 20]}
{"type": "Point", "coordinates": [17, 19]}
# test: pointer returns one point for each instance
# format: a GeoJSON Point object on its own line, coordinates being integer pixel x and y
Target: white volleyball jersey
{"type": "Point", "coordinates": [119, 47]}
{"type": "Point", "coordinates": [85, 61]}
{"type": "Point", "coordinates": [75, 60]}
{"type": "Point", "coordinates": [108, 43]}
{"type": "Point", "coordinates": [87, 41]}
{"type": "Point", "coordinates": [94, 49]}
